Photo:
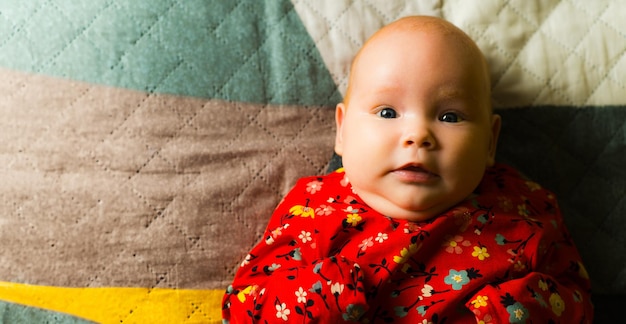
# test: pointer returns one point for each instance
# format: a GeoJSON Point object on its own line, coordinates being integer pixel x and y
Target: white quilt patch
{"type": "Point", "coordinates": [569, 52]}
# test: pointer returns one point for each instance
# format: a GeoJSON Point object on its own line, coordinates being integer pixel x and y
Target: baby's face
{"type": "Point", "coordinates": [417, 131]}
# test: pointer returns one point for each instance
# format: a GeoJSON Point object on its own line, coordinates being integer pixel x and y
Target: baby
{"type": "Point", "coordinates": [421, 225]}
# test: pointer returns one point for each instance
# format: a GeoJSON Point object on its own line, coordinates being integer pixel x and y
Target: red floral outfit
{"type": "Point", "coordinates": [501, 256]}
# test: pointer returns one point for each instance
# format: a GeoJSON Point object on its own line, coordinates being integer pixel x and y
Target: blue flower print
{"type": "Point", "coordinates": [353, 313]}
{"type": "Point", "coordinates": [297, 255]}
{"type": "Point", "coordinates": [518, 313]}
{"type": "Point", "coordinates": [318, 267]}
{"type": "Point", "coordinates": [457, 279]}
{"type": "Point", "coordinates": [401, 311]}
{"type": "Point", "coordinates": [316, 288]}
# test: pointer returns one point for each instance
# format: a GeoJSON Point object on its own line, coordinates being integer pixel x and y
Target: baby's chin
{"type": "Point", "coordinates": [410, 213]}
{"type": "Point", "coordinates": [416, 215]}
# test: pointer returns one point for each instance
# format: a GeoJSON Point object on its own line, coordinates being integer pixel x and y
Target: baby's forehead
{"type": "Point", "coordinates": [421, 32]}
{"type": "Point", "coordinates": [419, 27]}
{"type": "Point", "coordinates": [437, 41]}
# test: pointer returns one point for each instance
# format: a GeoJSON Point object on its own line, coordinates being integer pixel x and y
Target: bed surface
{"type": "Point", "coordinates": [145, 143]}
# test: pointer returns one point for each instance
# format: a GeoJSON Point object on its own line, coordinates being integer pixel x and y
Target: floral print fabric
{"type": "Point", "coordinates": [501, 256]}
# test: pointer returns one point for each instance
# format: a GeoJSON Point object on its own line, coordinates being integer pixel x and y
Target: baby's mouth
{"type": "Point", "coordinates": [415, 173]}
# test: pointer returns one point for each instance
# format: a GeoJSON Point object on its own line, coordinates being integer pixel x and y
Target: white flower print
{"type": "Point", "coordinates": [282, 312]}
{"type": "Point", "coordinates": [381, 237]}
{"type": "Point", "coordinates": [246, 261]}
{"type": "Point", "coordinates": [305, 236]}
{"type": "Point", "coordinates": [427, 291]}
{"type": "Point", "coordinates": [336, 288]}
{"type": "Point", "coordinates": [301, 294]}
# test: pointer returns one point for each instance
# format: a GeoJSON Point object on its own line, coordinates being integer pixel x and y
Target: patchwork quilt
{"type": "Point", "coordinates": [144, 144]}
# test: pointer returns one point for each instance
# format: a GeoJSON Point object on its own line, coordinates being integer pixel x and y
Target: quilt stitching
{"type": "Point", "coordinates": [335, 24]}
{"type": "Point", "coordinates": [159, 211]}
{"type": "Point", "coordinates": [278, 153]}
{"type": "Point", "coordinates": [618, 130]}
{"type": "Point", "coordinates": [236, 71]}
{"type": "Point", "coordinates": [253, 117]}
{"type": "Point", "coordinates": [512, 57]}
{"type": "Point", "coordinates": [608, 76]}
{"type": "Point", "coordinates": [482, 33]}
{"type": "Point", "coordinates": [147, 32]}
{"type": "Point", "coordinates": [571, 52]}
{"type": "Point", "coordinates": [81, 32]}
{"type": "Point", "coordinates": [380, 12]}
{"type": "Point", "coordinates": [330, 23]}
{"type": "Point", "coordinates": [18, 29]}
{"type": "Point", "coordinates": [606, 225]}
{"type": "Point", "coordinates": [292, 72]}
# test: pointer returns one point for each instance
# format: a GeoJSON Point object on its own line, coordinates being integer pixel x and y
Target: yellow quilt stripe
{"type": "Point", "coordinates": [121, 305]}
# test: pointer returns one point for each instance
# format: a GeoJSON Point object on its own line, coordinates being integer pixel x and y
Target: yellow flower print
{"type": "Point", "coordinates": [480, 301]}
{"type": "Point", "coordinates": [505, 203]}
{"type": "Point", "coordinates": [405, 253]}
{"type": "Point", "coordinates": [543, 285]}
{"type": "Point", "coordinates": [519, 266]}
{"type": "Point", "coordinates": [582, 271]}
{"type": "Point", "coordinates": [480, 253]}
{"type": "Point", "coordinates": [533, 186]}
{"type": "Point", "coordinates": [250, 291]}
{"type": "Point", "coordinates": [522, 210]}
{"type": "Point", "coordinates": [302, 211]}
{"type": "Point", "coordinates": [558, 306]}
{"type": "Point", "coordinates": [353, 219]}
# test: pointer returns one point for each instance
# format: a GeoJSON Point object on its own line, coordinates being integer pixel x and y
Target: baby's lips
{"type": "Point", "coordinates": [416, 167]}
{"type": "Point", "coordinates": [415, 173]}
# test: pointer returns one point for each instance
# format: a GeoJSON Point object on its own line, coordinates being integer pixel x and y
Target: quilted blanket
{"type": "Point", "coordinates": [144, 144]}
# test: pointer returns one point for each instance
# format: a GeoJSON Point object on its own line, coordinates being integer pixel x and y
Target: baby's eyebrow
{"type": "Point", "coordinates": [387, 87]}
{"type": "Point", "coordinates": [451, 93]}
{"type": "Point", "coordinates": [455, 93]}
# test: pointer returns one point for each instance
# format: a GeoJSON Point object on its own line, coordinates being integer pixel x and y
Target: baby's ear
{"type": "Point", "coordinates": [496, 123]}
{"type": "Point", "coordinates": [340, 114]}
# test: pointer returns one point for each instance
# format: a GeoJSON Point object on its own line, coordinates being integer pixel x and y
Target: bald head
{"type": "Point", "coordinates": [455, 40]}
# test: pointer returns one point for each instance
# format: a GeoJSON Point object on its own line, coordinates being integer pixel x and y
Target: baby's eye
{"type": "Point", "coordinates": [450, 118]}
{"type": "Point", "coordinates": [387, 113]}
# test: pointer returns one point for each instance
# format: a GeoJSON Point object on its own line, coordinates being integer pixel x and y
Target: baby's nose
{"type": "Point", "coordinates": [420, 137]}
{"type": "Point", "coordinates": [425, 143]}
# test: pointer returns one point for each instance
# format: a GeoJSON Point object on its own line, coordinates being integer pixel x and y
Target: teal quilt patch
{"type": "Point", "coordinates": [14, 313]}
{"type": "Point", "coordinates": [246, 50]}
